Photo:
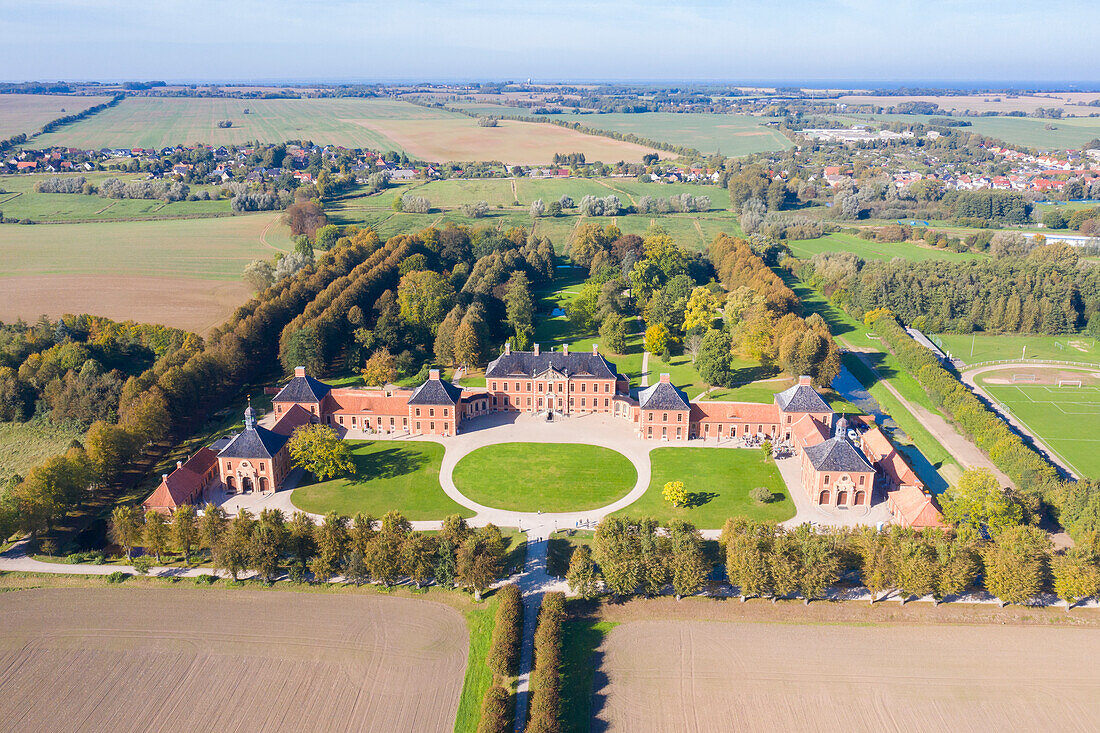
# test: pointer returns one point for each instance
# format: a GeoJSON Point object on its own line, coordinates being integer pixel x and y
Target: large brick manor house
{"type": "Point", "coordinates": [843, 464]}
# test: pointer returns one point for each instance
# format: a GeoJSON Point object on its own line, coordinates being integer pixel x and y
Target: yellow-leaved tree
{"type": "Point", "coordinates": [319, 450]}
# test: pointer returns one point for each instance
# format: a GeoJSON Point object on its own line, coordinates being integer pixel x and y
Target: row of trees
{"type": "Point", "coordinates": [764, 560]}
{"type": "Point", "coordinates": [546, 678]}
{"type": "Point", "coordinates": [763, 321]}
{"type": "Point", "coordinates": [360, 549]}
{"type": "Point", "coordinates": [503, 659]}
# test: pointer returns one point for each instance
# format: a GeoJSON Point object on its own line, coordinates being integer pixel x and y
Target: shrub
{"type": "Point", "coordinates": [546, 677]}
{"type": "Point", "coordinates": [504, 649]}
{"type": "Point", "coordinates": [761, 495]}
{"type": "Point", "coordinates": [496, 711]}
{"type": "Point", "coordinates": [117, 577]}
{"type": "Point", "coordinates": [205, 579]}
{"type": "Point", "coordinates": [142, 564]}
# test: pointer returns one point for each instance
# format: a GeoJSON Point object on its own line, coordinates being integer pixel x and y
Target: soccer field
{"type": "Point", "coordinates": [1067, 419]}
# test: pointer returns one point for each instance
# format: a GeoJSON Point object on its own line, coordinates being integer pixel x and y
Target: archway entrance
{"type": "Point", "coordinates": [842, 498]}
{"type": "Point", "coordinates": [861, 498]}
{"type": "Point", "coordinates": [246, 484]}
{"type": "Point", "coordinates": [824, 497]}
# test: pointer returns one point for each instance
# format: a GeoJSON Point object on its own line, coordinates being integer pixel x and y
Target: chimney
{"type": "Point", "coordinates": [507, 348]}
{"type": "Point", "coordinates": [164, 477]}
{"type": "Point", "coordinates": [536, 349]}
{"type": "Point", "coordinates": [565, 349]}
{"type": "Point", "coordinates": [595, 349]}
{"type": "Point", "coordinates": [179, 464]}
{"type": "Point", "coordinates": [299, 371]}
{"type": "Point", "coordinates": [666, 378]}
{"type": "Point", "coordinates": [433, 374]}
{"type": "Point", "coordinates": [805, 381]}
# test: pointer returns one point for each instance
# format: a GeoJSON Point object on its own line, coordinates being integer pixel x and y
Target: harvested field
{"type": "Point", "coordinates": [713, 676]}
{"type": "Point", "coordinates": [190, 660]}
{"type": "Point", "coordinates": [27, 113]}
{"type": "Point", "coordinates": [191, 304]}
{"type": "Point", "coordinates": [184, 273]}
{"type": "Point", "coordinates": [977, 103]}
{"type": "Point", "coordinates": [378, 124]}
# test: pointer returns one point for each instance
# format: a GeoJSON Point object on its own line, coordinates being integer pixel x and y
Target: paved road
{"type": "Point", "coordinates": [969, 378]}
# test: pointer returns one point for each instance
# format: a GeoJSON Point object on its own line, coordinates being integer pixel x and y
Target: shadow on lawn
{"type": "Point", "coordinates": [700, 498]}
{"type": "Point", "coordinates": [387, 463]}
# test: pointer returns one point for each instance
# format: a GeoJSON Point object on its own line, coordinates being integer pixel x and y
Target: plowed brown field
{"type": "Point", "coordinates": [123, 659]}
{"type": "Point", "coordinates": [713, 676]}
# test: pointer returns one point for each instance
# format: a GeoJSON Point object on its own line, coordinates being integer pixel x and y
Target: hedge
{"type": "Point", "coordinates": [546, 677]}
{"type": "Point", "coordinates": [496, 711]}
{"type": "Point", "coordinates": [507, 633]}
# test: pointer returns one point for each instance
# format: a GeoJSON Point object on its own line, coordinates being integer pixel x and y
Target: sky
{"type": "Point", "coordinates": [575, 40]}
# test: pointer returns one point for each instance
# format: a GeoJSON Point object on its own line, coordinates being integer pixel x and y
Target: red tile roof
{"type": "Point", "coordinates": [184, 484]}
{"type": "Point", "coordinates": [292, 419]}
{"type": "Point", "coordinates": [758, 412]}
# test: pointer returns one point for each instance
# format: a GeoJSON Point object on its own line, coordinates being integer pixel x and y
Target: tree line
{"type": "Point", "coordinates": [763, 560]}
{"type": "Point", "coordinates": [497, 706]}
{"type": "Point", "coordinates": [359, 549]}
{"type": "Point", "coordinates": [1040, 289]}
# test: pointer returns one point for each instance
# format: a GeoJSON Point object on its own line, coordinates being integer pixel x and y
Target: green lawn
{"type": "Point", "coordinates": [1067, 419]}
{"type": "Point", "coordinates": [480, 620]}
{"type": "Point", "coordinates": [389, 475]}
{"type": "Point", "coordinates": [580, 640]}
{"type": "Point", "coordinates": [25, 445]}
{"type": "Point", "coordinates": [870, 250]}
{"type": "Point", "coordinates": [973, 348]}
{"type": "Point", "coordinates": [559, 477]}
{"type": "Point", "coordinates": [719, 481]}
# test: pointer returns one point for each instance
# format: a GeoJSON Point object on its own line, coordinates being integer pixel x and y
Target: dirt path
{"type": "Point", "coordinates": [699, 229]}
{"type": "Point", "coordinates": [963, 450]}
{"type": "Point", "coordinates": [968, 378]}
{"type": "Point", "coordinates": [263, 235]}
{"type": "Point", "coordinates": [617, 190]}
{"type": "Point", "coordinates": [515, 193]}
{"type": "Point", "coordinates": [105, 208]}
{"type": "Point", "coordinates": [645, 369]}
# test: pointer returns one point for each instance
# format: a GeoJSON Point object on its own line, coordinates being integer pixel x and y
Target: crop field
{"type": "Point", "coordinates": [19, 201]}
{"type": "Point", "coordinates": [27, 113]}
{"type": "Point", "coordinates": [180, 659]}
{"type": "Point", "coordinates": [1064, 134]}
{"type": "Point", "coordinates": [709, 676]}
{"type": "Point", "coordinates": [184, 273]}
{"type": "Point", "coordinates": [977, 103]}
{"type": "Point", "coordinates": [1066, 418]}
{"type": "Point", "coordinates": [731, 135]}
{"type": "Point", "coordinates": [978, 347]}
{"type": "Point", "coordinates": [869, 250]}
{"type": "Point", "coordinates": [426, 133]}
{"type": "Point", "coordinates": [388, 475]}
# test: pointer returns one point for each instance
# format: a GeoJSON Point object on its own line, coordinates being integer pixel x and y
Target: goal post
{"type": "Point", "coordinates": [1071, 383]}
{"type": "Point", "coordinates": [1025, 378]}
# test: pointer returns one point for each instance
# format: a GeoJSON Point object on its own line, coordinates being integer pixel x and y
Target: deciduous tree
{"type": "Point", "coordinates": [319, 450]}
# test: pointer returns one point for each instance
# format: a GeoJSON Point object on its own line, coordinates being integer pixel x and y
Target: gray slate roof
{"type": "Point", "coordinates": [436, 392]}
{"type": "Point", "coordinates": [303, 389]}
{"type": "Point", "coordinates": [663, 396]}
{"type": "Point", "coordinates": [838, 454]}
{"type": "Point", "coordinates": [801, 398]}
{"type": "Point", "coordinates": [527, 364]}
{"type": "Point", "coordinates": [255, 443]}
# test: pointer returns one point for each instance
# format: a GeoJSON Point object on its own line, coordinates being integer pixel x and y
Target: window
{"type": "Point", "coordinates": [570, 401]}
{"type": "Point", "coordinates": [528, 401]}
{"type": "Point", "coordinates": [788, 418]}
{"type": "Point", "coordinates": [606, 402]}
{"type": "Point", "coordinates": [664, 417]}
{"type": "Point", "coordinates": [679, 417]}
{"type": "Point", "coordinates": [418, 426]}
{"type": "Point", "coordinates": [862, 479]}
{"type": "Point", "coordinates": [341, 419]}
{"type": "Point", "coordinates": [651, 431]}
{"type": "Point", "coordinates": [540, 386]}
{"type": "Point", "coordinates": [432, 426]}
{"type": "Point", "coordinates": [607, 387]}
{"type": "Point", "coordinates": [418, 412]}
{"type": "Point", "coordinates": [353, 420]}
{"type": "Point", "coordinates": [582, 386]}
{"type": "Point", "coordinates": [559, 387]}
{"type": "Point", "coordinates": [404, 422]}
{"type": "Point", "coordinates": [826, 479]}
{"type": "Point", "coordinates": [261, 465]}
{"type": "Point", "coordinates": [494, 387]}
{"type": "Point", "coordinates": [678, 432]}
{"type": "Point", "coordinates": [664, 432]}
{"type": "Point", "coordinates": [517, 386]}
{"type": "Point", "coordinates": [228, 466]}
{"type": "Point", "coordinates": [391, 422]}
{"type": "Point", "coordinates": [431, 412]}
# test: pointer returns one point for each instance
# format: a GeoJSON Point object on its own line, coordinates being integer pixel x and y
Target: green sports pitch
{"type": "Point", "coordinates": [1066, 419]}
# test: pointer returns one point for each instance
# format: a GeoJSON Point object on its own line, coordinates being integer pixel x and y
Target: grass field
{"type": "Point", "coordinates": [25, 445]}
{"type": "Point", "coordinates": [389, 475]}
{"type": "Point", "coordinates": [184, 273]}
{"type": "Point", "coordinates": [718, 481]}
{"type": "Point", "coordinates": [194, 659]}
{"type": "Point", "coordinates": [683, 675]}
{"type": "Point", "coordinates": [844, 242]}
{"type": "Point", "coordinates": [1067, 133]}
{"type": "Point", "coordinates": [1067, 419]}
{"type": "Point", "coordinates": [19, 200]}
{"type": "Point", "coordinates": [378, 124]}
{"type": "Point", "coordinates": [528, 477]}
{"type": "Point", "coordinates": [27, 113]}
{"type": "Point", "coordinates": [977, 347]}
